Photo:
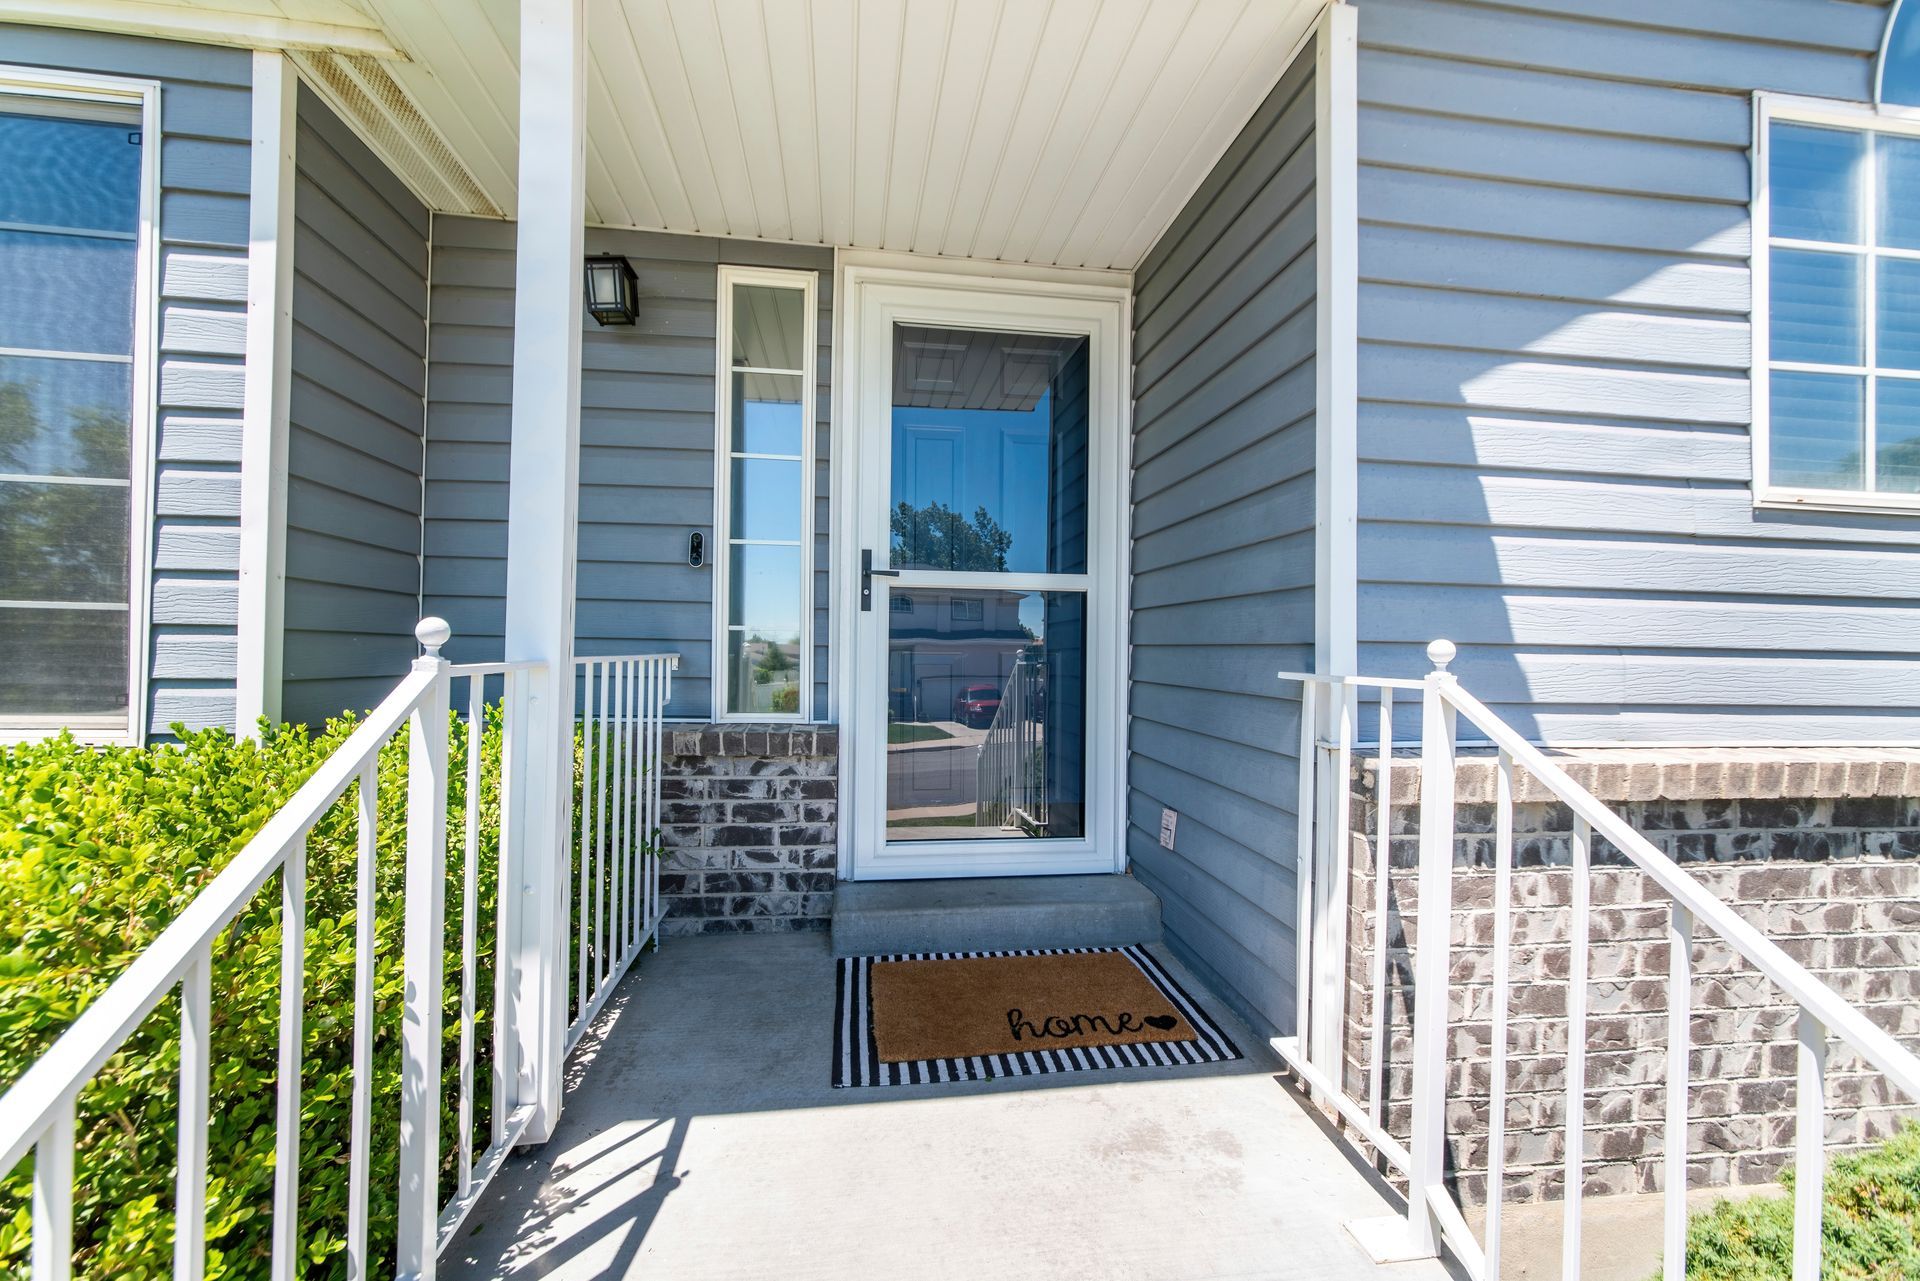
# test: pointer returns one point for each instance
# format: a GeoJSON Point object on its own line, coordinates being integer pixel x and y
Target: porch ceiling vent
{"type": "Point", "coordinates": [379, 110]}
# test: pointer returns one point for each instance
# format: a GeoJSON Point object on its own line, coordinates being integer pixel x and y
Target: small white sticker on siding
{"type": "Point", "coordinates": [1167, 820]}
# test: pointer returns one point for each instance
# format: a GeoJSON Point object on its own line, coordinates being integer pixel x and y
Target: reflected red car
{"type": "Point", "coordinates": [975, 705]}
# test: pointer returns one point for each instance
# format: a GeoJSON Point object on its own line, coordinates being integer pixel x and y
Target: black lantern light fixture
{"type": "Point", "coordinates": [611, 295]}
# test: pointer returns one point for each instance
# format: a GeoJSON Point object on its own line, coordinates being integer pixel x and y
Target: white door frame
{"type": "Point", "coordinates": [870, 300]}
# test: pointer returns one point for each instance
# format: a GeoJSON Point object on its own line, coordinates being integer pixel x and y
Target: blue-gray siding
{"type": "Point", "coordinates": [1222, 594]}
{"type": "Point", "coordinates": [646, 448]}
{"type": "Point", "coordinates": [356, 424]}
{"type": "Point", "coordinates": [206, 124]}
{"type": "Point", "coordinates": [1554, 453]}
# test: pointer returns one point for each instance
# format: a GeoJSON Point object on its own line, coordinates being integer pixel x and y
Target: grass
{"type": "Point", "coordinates": [944, 820]}
{"type": "Point", "coordinates": [1869, 1232]}
{"type": "Point", "coordinates": [910, 733]}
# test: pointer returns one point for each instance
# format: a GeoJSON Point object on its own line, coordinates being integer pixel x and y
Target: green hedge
{"type": "Point", "coordinates": [1870, 1230]}
{"type": "Point", "coordinates": [99, 850]}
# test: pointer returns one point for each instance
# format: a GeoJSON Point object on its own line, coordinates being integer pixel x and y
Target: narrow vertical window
{"type": "Point", "coordinates": [71, 186]}
{"type": "Point", "coordinates": [764, 496]}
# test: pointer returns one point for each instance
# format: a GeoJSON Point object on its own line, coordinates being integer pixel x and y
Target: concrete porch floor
{"type": "Point", "coordinates": [702, 1140]}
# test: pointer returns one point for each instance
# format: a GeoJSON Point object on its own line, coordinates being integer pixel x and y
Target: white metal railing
{"type": "Point", "coordinates": [1313, 1054]}
{"type": "Point", "coordinates": [1011, 770]}
{"type": "Point", "coordinates": [621, 704]}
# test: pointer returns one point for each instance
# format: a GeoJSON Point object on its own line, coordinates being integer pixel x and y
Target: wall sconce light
{"type": "Point", "coordinates": [611, 294]}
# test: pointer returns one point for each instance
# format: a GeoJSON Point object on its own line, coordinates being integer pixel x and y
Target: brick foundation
{"type": "Point", "coordinates": [750, 825]}
{"type": "Point", "coordinates": [1831, 874]}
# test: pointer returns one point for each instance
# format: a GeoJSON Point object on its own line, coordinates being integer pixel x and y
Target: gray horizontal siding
{"type": "Point", "coordinates": [206, 130]}
{"type": "Point", "coordinates": [1222, 592]}
{"type": "Point", "coordinates": [646, 442]}
{"type": "Point", "coordinates": [1555, 463]}
{"type": "Point", "coordinates": [358, 414]}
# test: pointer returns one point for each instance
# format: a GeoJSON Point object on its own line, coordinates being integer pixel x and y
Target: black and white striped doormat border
{"type": "Point", "coordinates": [856, 1060]}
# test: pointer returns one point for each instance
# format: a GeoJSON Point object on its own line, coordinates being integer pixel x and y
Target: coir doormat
{"type": "Point", "coordinates": [969, 1016]}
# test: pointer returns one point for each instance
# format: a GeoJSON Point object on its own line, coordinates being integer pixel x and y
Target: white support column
{"type": "Point", "coordinates": [263, 448]}
{"type": "Point", "coordinates": [1336, 380]}
{"type": "Point", "coordinates": [543, 506]}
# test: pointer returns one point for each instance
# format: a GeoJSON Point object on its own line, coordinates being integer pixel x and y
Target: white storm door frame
{"type": "Point", "coordinates": [873, 300]}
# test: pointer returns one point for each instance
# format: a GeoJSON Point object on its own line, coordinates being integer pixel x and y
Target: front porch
{"type": "Point", "coordinates": [700, 1138]}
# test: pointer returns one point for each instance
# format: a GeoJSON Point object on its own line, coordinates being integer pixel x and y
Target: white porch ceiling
{"type": "Point", "coordinates": [1060, 132]}
{"type": "Point", "coordinates": [1044, 131]}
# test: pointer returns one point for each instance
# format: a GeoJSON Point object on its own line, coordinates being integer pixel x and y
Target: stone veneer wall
{"type": "Point", "coordinates": [1823, 855]}
{"type": "Point", "coordinates": [750, 817]}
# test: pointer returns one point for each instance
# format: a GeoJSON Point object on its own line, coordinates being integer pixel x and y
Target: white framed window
{"type": "Point", "coordinates": [1836, 305]}
{"type": "Point", "coordinates": [79, 184]}
{"type": "Point", "coordinates": [763, 518]}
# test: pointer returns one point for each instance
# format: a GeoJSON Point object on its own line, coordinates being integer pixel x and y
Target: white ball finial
{"type": "Point", "coordinates": [432, 633]}
{"type": "Point", "coordinates": [1440, 653]}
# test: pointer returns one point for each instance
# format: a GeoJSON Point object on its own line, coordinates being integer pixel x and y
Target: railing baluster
{"type": "Point", "coordinates": [1305, 813]}
{"type": "Point", "coordinates": [469, 932]}
{"type": "Point", "coordinates": [1329, 1000]}
{"type": "Point", "coordinates": [1679, 1050]}
{"type": "Point", "coordinates": [1576, 1106]}
{"type": "Point", "coordinates": [286, 1148]}
{"type": "Point", "coordinates": [1810, 1147]}
{"type": "Point", "coordinates": [424, 977]}
{"type": "Point", "coordinates": [502, 1044]}
{"type": "Point", "coordinates": [611, 938]}
{"type": "Point", "coordinates": [52, 1247]}
{"type": "Point", "coordinates": [190, 1171]}
{"type": "Point", "coordinates": [1502, 997]}
{"type": "Point", "coordinates": [644, 799]}
{"type": "Point", "coordinates": [1382, 865]}
{"type": "Point", "coordinates": [587, 730]}
{"type": "Point", "coordinates": [659, 813]}
{"type": "Point", "coordinates": [360, 1144]}
{"type": "Point", "coordinates": [603, 838]}
{"type": "Point", "coordinates": [630, 897]}
{"type": "Point", "coordinates": [1427, 1145]}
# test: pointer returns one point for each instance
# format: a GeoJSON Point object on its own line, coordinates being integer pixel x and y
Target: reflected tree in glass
{"type": "Point", "coordinates": [937, 537]}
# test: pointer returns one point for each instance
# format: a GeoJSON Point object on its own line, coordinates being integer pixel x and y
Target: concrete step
{"type": "Point", "coordinates": [992, 914]}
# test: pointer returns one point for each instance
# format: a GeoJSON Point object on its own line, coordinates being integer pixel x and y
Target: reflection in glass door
{"type": "Point", "coordinates": [987, 533]}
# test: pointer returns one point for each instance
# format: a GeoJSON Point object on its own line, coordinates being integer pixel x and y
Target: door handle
{"type": "Point", "coordinates": [867, 574]}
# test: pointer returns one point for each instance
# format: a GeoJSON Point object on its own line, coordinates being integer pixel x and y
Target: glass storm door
{"type": "Point", "coordinates": [979, 597]}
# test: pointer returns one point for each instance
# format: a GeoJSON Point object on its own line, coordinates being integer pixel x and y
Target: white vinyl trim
{"type": "Point", "coordinates": [806, 283]}
{"type": "Point", "coordinates": [199, 24]}
{"type": "Point", "coordinates": [1337, 342]}
{"type": "Point", "coordinates": [269, 378]}
{"type": "Point", "coordinates": [870, 300]}
{"type": "Point", "coordinates": [143, 95]}
{"type": "Point", "coordinates": [1768, 108]}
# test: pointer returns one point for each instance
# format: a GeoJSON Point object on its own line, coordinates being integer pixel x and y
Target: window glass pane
{"type": "Point", "coordinates": [763, 588]}
{"type": "Point", "coordinates": [1812, 174]}
{"type": "Point", "coordinates": [1900, 77]}
{"type": "Point", "coordinates": [64, 417]}
{"type": "Point", "coordinates": [986, 715]}
{"type": "Point", "coordinates": [69, 173]}
{"type": "Point", "coordinates": [1899, 191]}
{"type": "Point", "coordinates": [1897, 436]}
{"type": "Point", "coordinates": [769, 327]}
{"type": "Point", "coordinates": [766, 499]}
{"type": "Point", "coordinates": [66, 293]}
{"type": "Point", "coordinates": [63, 542]}
{"type": "Point", "coordinates": [763, 672]}
{"type": "Point", "coordinates": [989, 451]}
{"type": "Point", "coordinates": [766, 414]}
{"type": "Point", "coordinates": [1818, 431]}
{"type": "Point", "coordinates": [1816, 308]}
{"type": "Point", "coordinates": [1898, 337]}
{"type": "Point", "coordinates": [63, 662]}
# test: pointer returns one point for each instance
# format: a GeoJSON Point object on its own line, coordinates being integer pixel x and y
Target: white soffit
{"type": "Point", "coordinates": [1060, 132]}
